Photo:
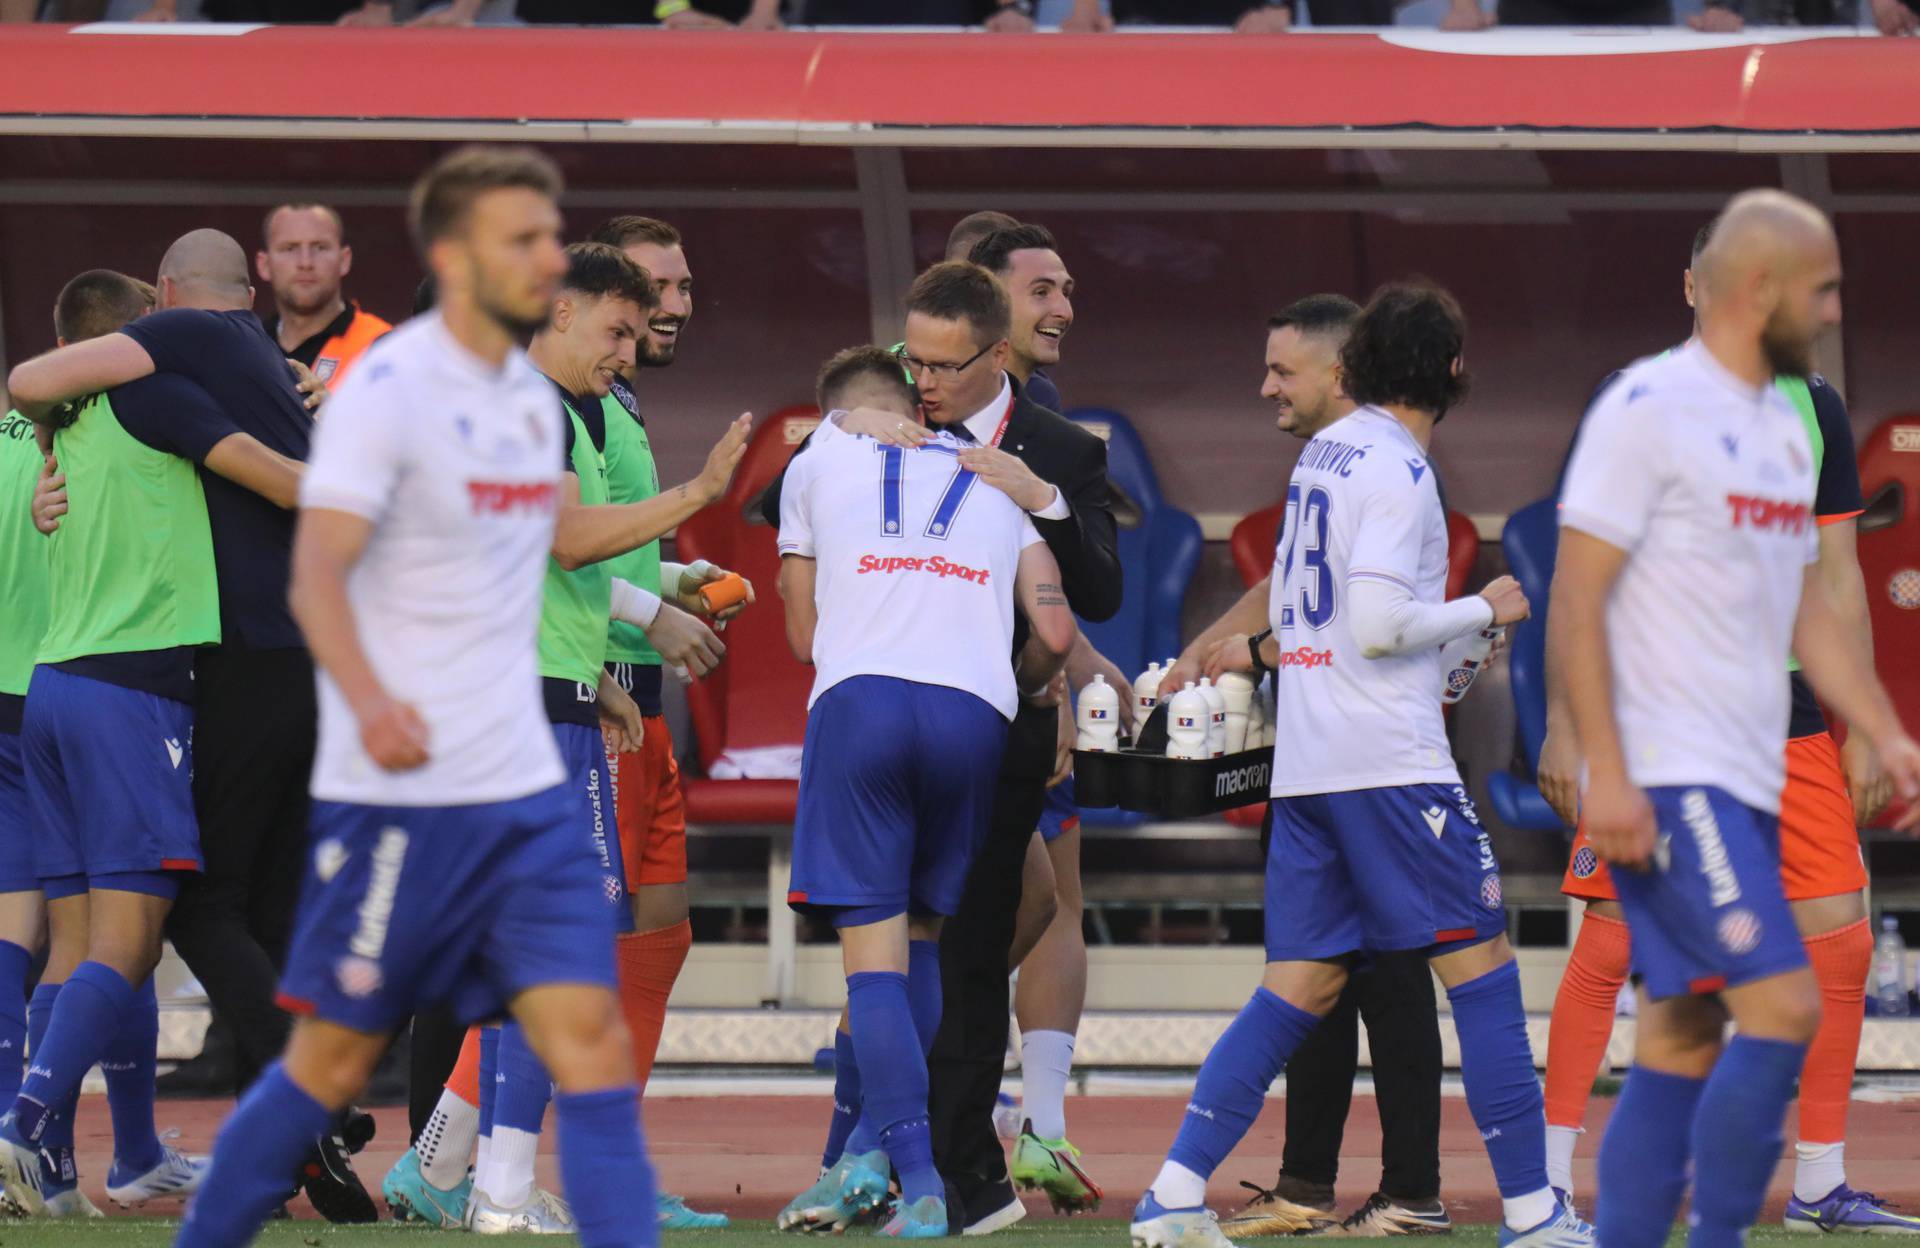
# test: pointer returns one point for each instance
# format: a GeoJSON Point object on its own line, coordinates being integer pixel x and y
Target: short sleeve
{"type": "Point", "coordinates": [1617, 473]}
{"type": "Point", "coordinates": [171, 414]}
{"type": "Point", "coordinates": [177, 339]}
{"type": "Point", "coordinates": [1837, 496]}
{"type": "Point", "coordinates": [1387, 528]}
{"type": "Point", "coordinates": [796, 513]}
{"type": "Point", "coordinates": [1028, 534]}
{"type": "Point", "coordinates": [359, 446]}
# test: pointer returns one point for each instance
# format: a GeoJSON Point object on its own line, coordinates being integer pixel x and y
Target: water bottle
{"type": "Point", "coordinates": [1146, 694]}
{"type": "Point", "coordinates": [1468, 659]}
{"type": "Point", "coordinates": [1188, 717]}
{"type": "Point", "coordinates": [1890, 970]}
{"type": "Point", "coordinates": [1216, 718]}
{"type": "Point", "coordinates": [1098, 717]}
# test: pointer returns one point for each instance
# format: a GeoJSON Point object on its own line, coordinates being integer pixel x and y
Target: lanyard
{"type": "Point", "coordinates": [1005, 416]}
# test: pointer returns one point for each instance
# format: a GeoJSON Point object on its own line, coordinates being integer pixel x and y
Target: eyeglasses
{"type": "Point", "coordinates": [936, 372]}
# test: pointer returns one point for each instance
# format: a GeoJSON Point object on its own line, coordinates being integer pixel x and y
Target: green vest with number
{"type": "Point", "coordinates": [23, 554]}
{"type": "Point", "coordinates": [632, 477]}
{"type": "Point", "coordinates": [131, 566]}
{"type": "Point", "coordinates": [574, 605]}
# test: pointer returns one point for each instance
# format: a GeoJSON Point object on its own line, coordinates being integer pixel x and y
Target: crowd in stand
{"type": "Point", "coordinates": [1891, 17]}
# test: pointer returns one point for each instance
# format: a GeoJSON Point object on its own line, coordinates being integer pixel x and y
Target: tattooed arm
{"type": "Point", "coordinates": [1050, 622]}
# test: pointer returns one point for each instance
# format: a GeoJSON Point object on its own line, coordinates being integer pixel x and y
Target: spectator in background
{"type": "Point", "coordinates": [972, 228]}
{"type": "Point", "coordinates": [303, 256]}
{"type": "Point", "coordinates": [1247, 17]}
{"type": "Point", "coordinates": [999, 15]}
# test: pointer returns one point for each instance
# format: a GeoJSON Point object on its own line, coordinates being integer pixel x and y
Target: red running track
{"type": "Point", "coordinates": [747, 1156]}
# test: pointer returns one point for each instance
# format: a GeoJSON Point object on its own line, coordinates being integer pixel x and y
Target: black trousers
{"type": "Point", "coordinates": [970, 1051]}
{"type": "Point", "coordinates": [1394, 996]}
{"type": "Point", "coordinates": [253, 739]}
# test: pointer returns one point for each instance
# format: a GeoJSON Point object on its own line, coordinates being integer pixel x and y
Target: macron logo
{"type": "Point", "coordinates": [174, 752]}
{"type": "Point", "coordinates": [1417, 468]}
{"type": "Point", "coordinates": [1436, 817]}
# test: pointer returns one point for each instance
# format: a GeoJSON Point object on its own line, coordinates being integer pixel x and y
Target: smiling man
{"type": "Point", "coordinates": [304, 256]}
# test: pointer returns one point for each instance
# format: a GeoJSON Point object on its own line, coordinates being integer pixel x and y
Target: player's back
{"type": "Point", "coordinates": [1363, 504]}
{"type": "Point", "coordinates": [916, 562]}
{"type": "Point", "coordinates": [458, 466]}
{"type": "Point", "coordinates": [1708, 484]}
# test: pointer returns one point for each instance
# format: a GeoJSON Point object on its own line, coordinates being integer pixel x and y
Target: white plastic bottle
{"type": "Point", "coordinates": [1236, 688]}
{"type": "Point", "coordinates": [1890, 970]}
{"type": "Point", "coordinates": [1216, 718]}
{"type": "Point", "coordinates": [1464, 659]}
{"type": "Point", "coordinates": [1187, 717]}
{"type": "Point", "coordinates": [1097, 713]}
{"type": "Point", "coordinates": [1146, 694]}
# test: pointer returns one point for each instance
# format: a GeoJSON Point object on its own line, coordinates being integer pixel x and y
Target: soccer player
{"type": "Point", "coordinates": [1688, 517]}
{"type": "Point", "coordinates": [1376, 846]}
{"type": "Point", "coordinates": [1393, 993]}
{"type": "Point", "coordinates": [303, 257]}
{"type": "Point", "coordinates": [448, 861]}
{"type": "Point", "coordinates": [904, 730]}
{"type": "Point", "coordinates": [131, 592]}
{"type": "Point", "coordinates": [1830, 791]}
{"type": "Point", "coordinates": [646, 782]}
{"type": "Point", "coordinates": [1049, 947]}
{"type": "Point", "coordinates": [597, 320]}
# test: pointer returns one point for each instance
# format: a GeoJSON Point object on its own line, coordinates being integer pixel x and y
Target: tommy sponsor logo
{"type": "Point", "coordinates": [499, 497]}
{"type": "Point", "coordinates": [1306, 657]}
{"type": "Point", "coordinates": [1723, 886]}
{"type": "Point", "coordinates": [175, 752]}
{"type": "Point", "coordinates": [376, 908]}
{"type": "Point", "coordinates": [1753, 512]}
{"type": "Point", "coordinates": [932, 566]}
{"type": "Point", "coordinates": [1252, 777]}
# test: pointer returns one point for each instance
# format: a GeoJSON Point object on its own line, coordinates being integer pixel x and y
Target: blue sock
{"type": "Point", "coordinates": [56, 1138]}
{"type": "Point", "coordinates": [1643, 1158]}
{"type": "Point", "coordinates": [128, 1065]}
{"type": "Point", "coordinates": [1235, 1077]}
{"type": "Point", "coordinates": [39, 1014]}
{"type": "Point", "coordinates": [489, 1076]}
{"type": "Point", "coordinates": [255, 1159]}
{"type": "Point", "coordinates": [1737, 1132]}
{"type": "Point", "coordinates": [15, 965]}
{"type": "Point", "coordinates": [1503, 1092]}
{"type": "Point", "coordinates": [604, 1168]}
{"type": "Point", "coordinates": [846, 1098]}
{"type": "Point", "coordinates": [520, 1100]}
{"type": "Point", "coordinates": [893, 1076]}
{"type": "Point", "coordinates": [92, 1007]}
{"type": "Point", "coordinates": [923, 989]}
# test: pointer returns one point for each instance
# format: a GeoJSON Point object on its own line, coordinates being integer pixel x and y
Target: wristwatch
{"type": "Point", "coordinates": [1254, 642]}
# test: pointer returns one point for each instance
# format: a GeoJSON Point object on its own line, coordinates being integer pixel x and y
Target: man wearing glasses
{"type": "Point", "coordinates": [956, 352]}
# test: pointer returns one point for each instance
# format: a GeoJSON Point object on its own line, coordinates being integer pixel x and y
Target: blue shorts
{"type": "Point", "coordinates": [896, 786]}
{"type": "Point", "coordinates": [1380, 870]}
{"type": "Point", "coordinates": [1061, 813]}
{"type": "Point", "coordinates": [1711, 913]}
{"type": "Point", "coordinates": [17, 874]}
{"type": "Point", "coordinates": [583, 751]}
{"type": "Point", "coordinates": [109, 778]}
{"type": "Point", "coordinates": [406, 907]}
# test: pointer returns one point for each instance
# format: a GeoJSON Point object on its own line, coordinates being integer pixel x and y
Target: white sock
{"type": "Point", "coordinates": [1560, 1142]}
{"type": "Point", "coordinates": [1523, 1213]}
{"type": "Point", "coordinates": [482, 1149]}
{"type": "Point", "coordinates": [508, 1178]}
{"type": "Point", "coordinates": [1046, 1060]}
{"type": "Point", "coordinates": [446, 1142]}
{"type": "Point", "coordinates": [1818, 1169]}
{"type": "Point", "coordinates": [1177, 1187]}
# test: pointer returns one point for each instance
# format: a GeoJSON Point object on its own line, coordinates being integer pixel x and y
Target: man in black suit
{"type": "Point", "coordinates": [956, 350]}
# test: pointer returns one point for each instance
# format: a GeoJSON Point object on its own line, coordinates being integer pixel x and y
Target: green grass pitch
{"type": "Point", "coordinates": [1036, 1233]}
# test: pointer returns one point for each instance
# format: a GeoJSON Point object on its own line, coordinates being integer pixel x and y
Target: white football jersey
{"type": "Point", "coordinates": [1362, 504]}
{"type": "Point", "coordinates": [916, 564]}
{"type": "Point", "coordinates": [457, 464]}
{"type": "Point", "coordinates": [1708, 484]}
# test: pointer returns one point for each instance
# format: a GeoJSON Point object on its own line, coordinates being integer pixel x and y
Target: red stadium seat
{"type": "Point", "coordinates": [758, 697]}
{"type": "Point", "coordinates": [1890, 561]}
{"type": "Point", "coordinates": [1253, 541]}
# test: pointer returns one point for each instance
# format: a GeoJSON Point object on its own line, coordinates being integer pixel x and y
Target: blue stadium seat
{"type": "Point", "coordinates": [1530, 540]}
{"type": "Point", "coordinates": [1159, 552]}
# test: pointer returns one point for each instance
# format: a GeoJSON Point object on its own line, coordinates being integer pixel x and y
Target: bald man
{"type": "Point", "coordinates": [1685, 574]}
{"type": "Point", "coordinates": [254, 734]}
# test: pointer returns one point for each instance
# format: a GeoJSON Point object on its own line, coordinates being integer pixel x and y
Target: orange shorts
{"type": "Point", "coordinates": [650, 810]}
{"type": "Point", "coordinates": [1819, 844]}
